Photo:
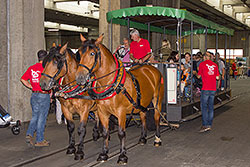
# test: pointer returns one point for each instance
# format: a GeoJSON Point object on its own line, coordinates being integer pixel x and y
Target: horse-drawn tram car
{"type": "Point", "coordinates": [86, 84]}
{"type": "Point", "coordinates": [175, 24]}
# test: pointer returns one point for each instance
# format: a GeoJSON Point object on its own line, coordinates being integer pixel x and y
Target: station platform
{"type": "Point", "coordinates": [226, 145]}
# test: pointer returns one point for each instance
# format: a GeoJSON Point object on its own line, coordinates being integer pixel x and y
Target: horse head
{"type": "Point", "coordinates": [55, 67]}
{"type": "Point", "coordinates": [90, 59]}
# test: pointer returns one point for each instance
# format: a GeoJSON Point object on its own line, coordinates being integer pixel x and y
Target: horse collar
{"type": "Point", "coordinates": [115, 87]}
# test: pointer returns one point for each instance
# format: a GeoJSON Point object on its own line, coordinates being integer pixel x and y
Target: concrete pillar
{"type": "Point", "coordinates": [202, 43]}
{"type": "Point", "coordinates": [104, 27]}
{"type": "Point", "coordinates": [26, 37]}
{"type": "Point", "coordinates": [3, 57]}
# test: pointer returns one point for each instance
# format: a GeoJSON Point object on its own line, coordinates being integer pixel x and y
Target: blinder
{"type": "Point", "coordinates": [97, 56]}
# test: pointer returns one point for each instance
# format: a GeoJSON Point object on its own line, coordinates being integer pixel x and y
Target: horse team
{"type": "Point", "coordinates": [114, 92]}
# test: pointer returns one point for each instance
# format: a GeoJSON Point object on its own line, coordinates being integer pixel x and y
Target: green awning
{"type": "Point", "coordinates": [139, 16]}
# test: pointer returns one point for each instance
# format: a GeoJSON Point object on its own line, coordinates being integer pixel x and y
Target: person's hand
{"type": "Point", "coordinates": [136, 60]}
{"type": "Point", "coordinates": [140, 61]}
{"type": "Point", "coordinates": [222, 77]}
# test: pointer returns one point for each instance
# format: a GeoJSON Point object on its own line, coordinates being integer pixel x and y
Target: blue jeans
{"type": "Point", "coordinates": [222, 83]}
{"type": "Point", "coordinates": [207, 107]}
{"type": "Point", "coordinates": [40, 104]}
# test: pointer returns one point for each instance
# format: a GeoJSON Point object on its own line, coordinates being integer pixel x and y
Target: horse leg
{"type": "Point", "coordinates": [95, 133]}
{"type": "Point", "coordinates": [71, 127]}
{"type": "Point", "coordinates": [81, 132]}
{"type": "Point", "coordinates": [157, 103]}
{"type": "Point", "coordinates": [143, 137]}
{"type": "Point", "coordinates": [123, 159]}
{"type": "Point", "coordinates": [103, 156]}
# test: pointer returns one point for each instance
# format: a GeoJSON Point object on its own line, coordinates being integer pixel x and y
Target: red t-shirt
{"type": "Point", "coordinates": [33, 74]}
{"type": "Point", "coordinates": [208, 71]}
{"type": "Point", "coordinates": [140, 49]}
{"type": "Point", "coordinates": [233, 66]}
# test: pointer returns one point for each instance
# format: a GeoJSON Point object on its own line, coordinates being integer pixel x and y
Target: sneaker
{"type": "Point", "coordinates": [28, 140]}
{"type": "Point", "coordinates": [43, 143]}
{"type": "Point", "coordinates": [204, 129]}
{"type": "Point", "coordinates": [222, 89]}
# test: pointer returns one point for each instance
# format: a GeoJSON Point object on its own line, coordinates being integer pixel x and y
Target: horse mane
{"type": "Point", "coordinates": [55, 52]}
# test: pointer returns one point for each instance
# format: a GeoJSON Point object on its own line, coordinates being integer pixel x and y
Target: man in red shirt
{"type": "Point", "coordinates": [40, 102]}
{"type": "Point", "coordinates": [139, 48]}
{"type": "Point", "coordinates": [209, 72]}
{"type": "Point", "coordinates": [234, 70]}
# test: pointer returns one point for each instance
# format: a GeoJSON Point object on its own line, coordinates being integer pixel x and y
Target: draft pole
{"type": "Point", "coordinates": [191, 45]}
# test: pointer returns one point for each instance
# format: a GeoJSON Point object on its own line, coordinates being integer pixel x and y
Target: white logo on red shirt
{"type": "Point", "coordinates": [141, 45]}
{"type": "Point", "coordinates": [35, 76]}
{"type": "Point", "coordinates": [210, 69]}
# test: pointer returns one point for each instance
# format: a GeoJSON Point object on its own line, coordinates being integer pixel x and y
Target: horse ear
{"type": "Point", "coordinates": [63, 49]}
{"type": "Point", "coordinates": [99, 40]}
{"type": "Point", "coordinates": [82, 38]}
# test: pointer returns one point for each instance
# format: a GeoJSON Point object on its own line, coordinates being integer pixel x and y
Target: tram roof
{"type": "Point", "coordinates": [160, 17]}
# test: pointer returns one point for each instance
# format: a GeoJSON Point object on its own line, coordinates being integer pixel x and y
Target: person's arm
{"type": "Point", "coordinates": [148, 49]}
{"type": "Point", "coordinates": [217, 73]}
{"type": "Point", "coordinates": [133, 58]}
{"type": "Point", "coordinates": [145, 58]}
{"type": "Point", "coordinates": [26, 83]}
{"type": "Point", "coordinates": [223, 73]}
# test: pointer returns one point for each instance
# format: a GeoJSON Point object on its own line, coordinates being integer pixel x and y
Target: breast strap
{"type": "Point", "coordinates": [136, 104]}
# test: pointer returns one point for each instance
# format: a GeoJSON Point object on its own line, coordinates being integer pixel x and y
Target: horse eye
{"type": "Point", "coordinates": [92, 54]}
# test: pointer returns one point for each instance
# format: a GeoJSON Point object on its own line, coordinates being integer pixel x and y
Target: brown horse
{"type": "Point", "coordinates": [119, 92]}
{"type": "Point", "coordinates": [62, 63]}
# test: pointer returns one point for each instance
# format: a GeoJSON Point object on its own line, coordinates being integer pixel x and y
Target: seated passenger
{"type": "Point", "coordinates": [123, 52]}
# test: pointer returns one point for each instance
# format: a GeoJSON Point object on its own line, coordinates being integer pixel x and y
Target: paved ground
{"type": "Point", "coordinates": [227, 145]}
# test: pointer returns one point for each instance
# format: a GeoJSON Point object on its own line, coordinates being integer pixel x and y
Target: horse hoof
{"type": "Point", "coordinates": [157, 144]}
{"type": "Point", "coordinates": [123, 159]}
{"type": "Point", "coordinates": [79, 155]}
{"type": "Point", "coordinates": [142, 141]}
{"type": "Point", "coordinates": [102, 157]}
{"type": "Point", "coordinates": [95, 136]}
{"type": "Point", "coordinates": [71, 150]}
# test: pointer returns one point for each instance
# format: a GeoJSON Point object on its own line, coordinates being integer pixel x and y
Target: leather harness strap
{"type": "Point", "coordinates": [138, 92]}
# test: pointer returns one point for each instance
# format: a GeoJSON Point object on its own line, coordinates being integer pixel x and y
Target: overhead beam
{"type": "Point", "coordinates": [201, 8]}
{"type": "Point", "coordinates": [58, 1]}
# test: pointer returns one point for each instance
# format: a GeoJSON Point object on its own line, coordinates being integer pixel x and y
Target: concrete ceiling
{"type": "Point", "coordinates": [71, 19]}
{"type": "Point", "coordinates": [209, 12]}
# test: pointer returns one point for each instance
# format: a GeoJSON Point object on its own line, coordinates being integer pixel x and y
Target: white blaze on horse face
{"type": "Point", "coordinates": [210, 69]}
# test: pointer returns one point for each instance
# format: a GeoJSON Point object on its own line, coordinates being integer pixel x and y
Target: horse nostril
{"type": "Point", "coordinates": [42, 85]}
{"type": "Point", "coordinates": [80, 80]}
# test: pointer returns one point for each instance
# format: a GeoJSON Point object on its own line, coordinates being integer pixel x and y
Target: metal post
{"type": "Point", "coordinates": [228, 66]}
{"type": "Point", "coordinates": [206, 39]}
{"type": "Point", "coordinates": [216, 44]}
{"type": "Point", "coordinates": [149, 32]}
{"type": "Point", "coordinates": [179, 28]}
{"type": "Point", "coordinates": [165, 68]}
{"type": "Point", "coordinates": [225, 58]}
{"type": "Point", "coordinates": [128, 28]}
{"type": "Point", "coordinates": [191, 45]}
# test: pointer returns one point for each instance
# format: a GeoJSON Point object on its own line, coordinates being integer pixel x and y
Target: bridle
{"type": "Point", "coordinates": [97, 56]}
{"type": "Point", "coordinates": [59, 67]}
